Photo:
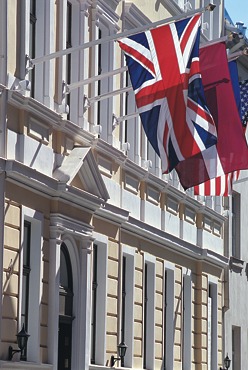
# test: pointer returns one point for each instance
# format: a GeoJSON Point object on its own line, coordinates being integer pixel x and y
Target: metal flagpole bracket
{"type": "Point", "coordinates": [116, 122]}
{"type": "Point", "coordinates": [86, 102]}
{"type": "Point", "coordinates": [210, 7]}
{"type": "Point", "coordinates": [65, 89]}
{"type": "Point", "coordinates": [125, 33]}
{"type": "Point", "coordinates": [245, 51]}
{"type": "Point", "coordinates": [28, 63]}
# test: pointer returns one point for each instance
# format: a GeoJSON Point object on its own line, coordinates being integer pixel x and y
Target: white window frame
{"type": "Point", "coordinates": [35, 280]}
{"type": "Point", "coordinates": [136, 137]}
{"type": "Point", "coordinates": [44, 43]}
{"type": "Point", "coordinates": [104, 19]}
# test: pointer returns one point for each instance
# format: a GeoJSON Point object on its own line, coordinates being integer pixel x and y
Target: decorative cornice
{"type": "Point", "coordinates": [172, 7]}
{"type": "Point", "coordinates": [236, 264]}
{"type": "Point", "coordinates": [168, 241]}
{"type": "Point", "coordinates": [71, 225]}
{"type": "Point", "coordinates": [103, 12]}
{"type": "Point", "coordinates": [112, 213]}
{"type": "Point", "coordinates": [29, 178]}
{"type": "Point", "coordinates": [50, 117]}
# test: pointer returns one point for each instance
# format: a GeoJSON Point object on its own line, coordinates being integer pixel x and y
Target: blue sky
{"type": "Point", "coordinates": [238, 11]}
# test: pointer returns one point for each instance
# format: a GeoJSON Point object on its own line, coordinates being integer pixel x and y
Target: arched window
{"type": "Point", "coordinates": [65, 310]}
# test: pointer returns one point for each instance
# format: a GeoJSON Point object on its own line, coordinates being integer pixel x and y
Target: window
{"type": "Point", "coordinates": [32, 37]}
{"type": "Point", "coordinates": [187, 319]}
{"type": "Point", "coordinates": [30, 280]}
{"type": "Point", "coordinates": [103, 23]}
{"type": "Point", "coordinates": [68, 45]}
{"type": "Point", "coordinates": [98, 294]}
{"type": "Point", "coordinates": [127, 303]}
{"type": "Point", "coordinates": [236, 225]}
{"type": "Point", "coordinates": [94, 305]}
{"type": "Point", "coordinates": [26, 269]}
{"type": "Point", "coordinates": [145, 321]}
{"type": "Point", "coordinates": [123, 302]}
{"type": "Point", "coordinates": [65, 310]}
{"type": "Point", "coordinates": [212, 326]}
{"type": "Point", "coordinates": [236, 347]}
{"type": "Point", "coordinates": [148, 312]}
{"type": "Point", "coordinates": [169, 296]}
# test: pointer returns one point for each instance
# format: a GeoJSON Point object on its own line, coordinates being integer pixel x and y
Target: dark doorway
{"type": "Point", "coordinates": [65, 311]}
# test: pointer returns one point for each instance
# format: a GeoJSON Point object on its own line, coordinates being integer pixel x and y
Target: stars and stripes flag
{"type": "Point", "coordinates": [223, 185]}
{"type": "Point", "coordinates": [244, 101]}
{"type": "Point", "coordinates": [163, 64]}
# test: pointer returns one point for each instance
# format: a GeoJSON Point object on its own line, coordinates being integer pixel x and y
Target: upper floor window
{"type": "Point", "coordinates": [236, 225]}
{"type": "Point", "coordinates": [68, 45]}
{"type": "Point", "coordinates": [32, 41]}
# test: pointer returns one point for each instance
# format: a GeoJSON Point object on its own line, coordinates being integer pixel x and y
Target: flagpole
{"type": "Point", "coordinates": [115, 37]}
{"type": "Point", "coordinates": [233, 56]}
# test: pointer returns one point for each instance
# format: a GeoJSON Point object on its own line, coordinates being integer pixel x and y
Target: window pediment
{"type": "Point", "coordinates": [80, 169]}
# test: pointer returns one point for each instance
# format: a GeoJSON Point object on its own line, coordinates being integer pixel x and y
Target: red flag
{"type": "Point", "coordinates": [231, 151]}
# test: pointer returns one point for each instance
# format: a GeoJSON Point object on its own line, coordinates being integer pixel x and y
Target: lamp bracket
{"type": "Point", "coordinates": [113, 360]}
{"type": "Point", "coordinates": [12, 352]}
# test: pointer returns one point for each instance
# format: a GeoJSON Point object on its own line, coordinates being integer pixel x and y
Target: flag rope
{"type": "Point", "coordinates": [115, 37]}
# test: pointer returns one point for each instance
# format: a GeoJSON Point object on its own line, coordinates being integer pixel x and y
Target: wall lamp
{"type": "Point", "coordinates": [227, 363]}
{"type": "Point", "coordinates": [22, 340]}
{"type": "Point", "coordinates": [122, 347]}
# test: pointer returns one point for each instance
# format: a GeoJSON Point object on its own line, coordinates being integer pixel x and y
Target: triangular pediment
{"type": "Point", "coordinates": [80, 169]}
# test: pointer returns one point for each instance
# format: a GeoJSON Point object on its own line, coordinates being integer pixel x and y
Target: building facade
{"type": "Point", "coordinates": [97, 246]}
{"type": "Point", "coordinates": [235, 304]}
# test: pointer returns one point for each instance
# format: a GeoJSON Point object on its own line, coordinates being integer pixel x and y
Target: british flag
{"type": "Point", "coordinates": [163, 65]}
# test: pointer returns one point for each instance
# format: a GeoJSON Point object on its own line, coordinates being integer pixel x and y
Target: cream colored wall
{"type": "Point", "coordinates": [200, 282]}
{"type": "Point", "coordinates": [154, 10]}
{"type": "Point", "coordinates": [12, 35]}
{"type": "Point", "coordinates": [10, 274]}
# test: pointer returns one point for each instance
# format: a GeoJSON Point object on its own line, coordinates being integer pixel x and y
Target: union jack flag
{"type": "Point", "coordinates": [163, 65]}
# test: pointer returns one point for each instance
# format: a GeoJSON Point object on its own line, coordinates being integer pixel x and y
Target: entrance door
{"type": "Point", "coordinates": [64, 358]}
{"type": "Point", "coordinates": [65, 310]}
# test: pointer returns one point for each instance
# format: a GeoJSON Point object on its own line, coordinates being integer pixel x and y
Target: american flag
{"type": "Point", "coordinates": [223, 185]}
{"type": "Point", "coordinates": [244, 101]}
{"type": "Point", "coordinates": [164, 69]}
{"type": "Point", "coordinates": [220, 186]}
